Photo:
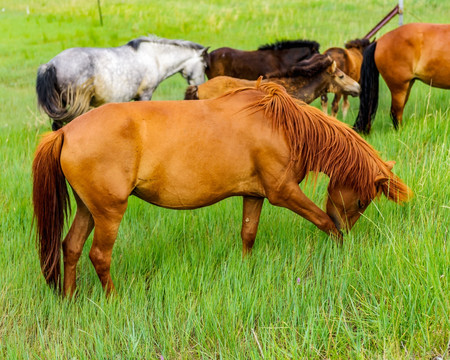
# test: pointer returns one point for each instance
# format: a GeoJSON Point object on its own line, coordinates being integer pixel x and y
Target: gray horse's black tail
{"type": "Point", "coordinates": [368, 99]}
{"type": "Point", "coordinates": [61, 105]}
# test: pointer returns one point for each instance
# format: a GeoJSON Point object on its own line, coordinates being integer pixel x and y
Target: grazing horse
{"type": "Point", "coordinates": [78, 78]}
{"type": "Point", "coordinates": [252, 64]}
{"type": "Point", "coordinates": [411, 52]}
{"type": "Point", "coordinates": [253, 142]}
{"type": "Point", "coordinates": [305, 81]}
{"type": "Point", "coordinates": [349, 60]}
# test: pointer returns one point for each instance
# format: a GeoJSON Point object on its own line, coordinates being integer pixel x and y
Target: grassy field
{"type": "Point", "coordinates": [183, 291]}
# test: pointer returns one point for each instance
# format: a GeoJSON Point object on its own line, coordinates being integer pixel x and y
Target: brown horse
{"type": "Point", "coordinates": [252, 64]}
{"type": "Point", "coordinates": [305, 81]}
{"type": "Point", "coordinates": [254, 142]}
{"type": "Point", "coordinates": [349, 60]}
{"type": "Point", "coordinates": [411, 52]}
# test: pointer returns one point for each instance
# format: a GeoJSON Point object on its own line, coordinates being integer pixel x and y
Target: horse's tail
{"type": "Point", "coordinates": [191, 93]}
{"type": "Point", "coordinates": [62, 105]}
{"type": "Point", "coordinates": [51, 205]}
{"type": "Point", "coordinates": [368, 99]}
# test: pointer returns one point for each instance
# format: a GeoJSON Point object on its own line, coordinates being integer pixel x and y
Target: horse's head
{"type": "Point", "coordinates": [194, 68]}
{"type": "Point", "coordinates": [340, 82]}
{"type": "Point", "coordinates": [345, 205]}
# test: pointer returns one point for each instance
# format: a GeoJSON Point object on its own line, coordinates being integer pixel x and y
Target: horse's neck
{"type": "Point", "coordinates": [171, 58]}
{"type": "Point", "coordinates": [357, 52]}
{"type": "Point", "coordinates": [303, 88]}
{"type": "Point", "coordinates": [333, 150]}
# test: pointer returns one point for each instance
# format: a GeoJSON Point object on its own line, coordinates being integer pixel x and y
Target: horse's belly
{"type": "Point", "coordinates": [194, 192]}
{"type": "Point", "coordinates": [434, 73]}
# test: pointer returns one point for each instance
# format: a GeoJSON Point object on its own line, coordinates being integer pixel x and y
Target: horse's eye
{"type": "Point", "coordinates": [341, 76]}
{"type": "Point", "coordinates": [360, 204]}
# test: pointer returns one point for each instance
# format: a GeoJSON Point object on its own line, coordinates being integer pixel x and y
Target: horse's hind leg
{"type": "Point", "coordinates": [250, 219]}
{"type": "Point", "coordinates": [73, 244]}
{"type": "Point", "coordinates": [105, 233]}
{"type": "Point", "coordinates": [399, 97]}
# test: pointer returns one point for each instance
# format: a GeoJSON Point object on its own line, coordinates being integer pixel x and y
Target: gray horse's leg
{"type": "Point", "coordinates": [145, 95]}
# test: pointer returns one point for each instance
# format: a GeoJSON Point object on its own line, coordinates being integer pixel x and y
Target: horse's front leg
{"type": "Point", "coordinates": [324, 103]}
{"type": "Point", "coordinates": [335, 104]}
{"type": "Point", "coordinates": [250, 219]}
{"type": "Point", "coordinates": [345, 106]}
{"type": "Point", "coordinates": [145, 95]}
{"type": "Point", "coordinates": [291, 197]}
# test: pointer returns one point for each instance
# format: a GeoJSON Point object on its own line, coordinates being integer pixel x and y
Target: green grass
{"type": "Point", "coordinates": [183, 291]}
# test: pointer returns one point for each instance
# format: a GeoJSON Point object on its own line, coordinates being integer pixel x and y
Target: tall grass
{"type": "Point", "coordinates": [183, 290]}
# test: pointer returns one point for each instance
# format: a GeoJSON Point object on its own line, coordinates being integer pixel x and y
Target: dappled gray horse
{"type": "Point", "coordinates": [78, 78]}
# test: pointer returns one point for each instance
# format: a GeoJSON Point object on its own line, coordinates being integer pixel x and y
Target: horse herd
{"type": "Point", "coordinates": [249, 133]}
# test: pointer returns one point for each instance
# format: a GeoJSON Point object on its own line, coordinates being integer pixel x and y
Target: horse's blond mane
{"type": "Point", "coordinates": [325, 144]}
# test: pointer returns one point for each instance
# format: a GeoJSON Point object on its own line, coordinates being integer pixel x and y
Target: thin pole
{"type": "Point", "coordinates": [400, 12]}
{"type": "Point", "coordinates": [383, 22]}
{"type": "Point", "coordinates": [100, 12]}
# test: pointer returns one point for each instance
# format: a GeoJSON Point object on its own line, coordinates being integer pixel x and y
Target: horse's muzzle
{"type": "Point", "coordinates": [355, 91]}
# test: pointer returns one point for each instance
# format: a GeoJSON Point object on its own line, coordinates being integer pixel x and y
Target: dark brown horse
{"type": "Point", "coordinates": [411, 52]}
{"type": "Point", "coordinates": [305, 81]}
{"type": "Point", "coordinates": [254, 142]}
{"type": "Point", "coordinates": [252, 64]}
{"type": "Point", "coordinates": [349, 60]}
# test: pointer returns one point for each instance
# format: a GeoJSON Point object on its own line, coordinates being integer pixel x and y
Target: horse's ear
{"type": "Point", "coordinates": [205, 51]}
{"type": "Point", "coordinates": [258, 81]}
{"type": "Point", "coordinates": [390, 164]}
{"type": "Point", "coordinates": [333, 67]}
{"type": "Point", "coordinates": [380, 179]}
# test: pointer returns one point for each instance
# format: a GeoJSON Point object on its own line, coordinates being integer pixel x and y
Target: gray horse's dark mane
{"type": "Point", "coordinates": [306, 68]}
{"type": "Point", "coordinates": [159, 40]}
{"type": "Point", "coordinates": [290, 44]}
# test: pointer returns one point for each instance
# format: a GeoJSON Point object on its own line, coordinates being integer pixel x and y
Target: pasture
{"type": "Point", "coordinates": [183, 290]}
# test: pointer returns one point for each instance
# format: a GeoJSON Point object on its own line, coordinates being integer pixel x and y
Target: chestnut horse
{"type": "Point", "coordinates": [349, 60]}
{"type": "Point", "coordinates": [268, 58]}
{"type": "Point", "coordinates": [254, 142]}
{"type": "Point", "coordinates": [305, 81]}
{"type": "Point", "coordinates": [411, 52]}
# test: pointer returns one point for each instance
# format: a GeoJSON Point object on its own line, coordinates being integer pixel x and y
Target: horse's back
{"type": "Point", "coordinates": [219, 85]}
{"type": "Point", "coordinates": [421, 36]}
{"type": "Point", "coordinates": [418, 50]}
{"type": "Point", "coordinates": [73, 63]}
{"type": "Point", "coordinates": [236, 63]}
{"type": "Point", "coordinates": [75, 66]}
{"type": "Point", "coordinates": [164, 150]}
